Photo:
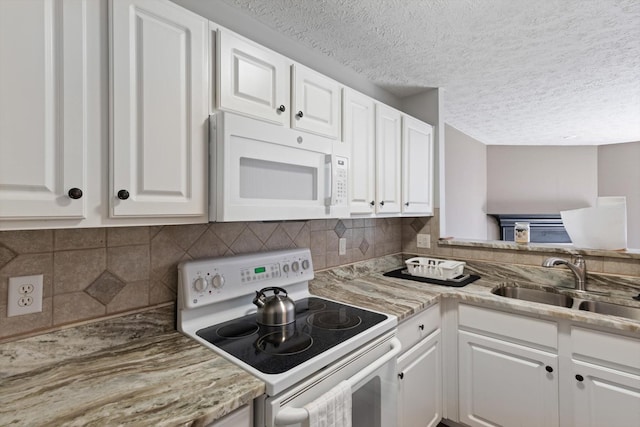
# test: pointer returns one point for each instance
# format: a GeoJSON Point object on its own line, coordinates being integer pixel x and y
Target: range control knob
{"type": "Point", "coordinates": [285, 268]}
{"type": "Point", "coordinates": [295, 266]}
{"type": "Point", "coordinates": [305, 264]}
{"type": "Point", "coordinates": [200, 284]}
{"type": "Point", "coordinates": [217, 281]}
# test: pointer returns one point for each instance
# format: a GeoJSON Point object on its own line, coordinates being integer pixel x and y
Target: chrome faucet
{"type": "Point", "coordinates": [578, 267]}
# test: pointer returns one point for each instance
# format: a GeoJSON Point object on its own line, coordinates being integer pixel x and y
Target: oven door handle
{"type": "Point", "coordinates": [291, 415]}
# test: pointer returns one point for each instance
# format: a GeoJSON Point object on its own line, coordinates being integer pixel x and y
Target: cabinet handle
{"type": "Point", "coordinates": [579, 378]}
{"type": "Point", "coordinates": [382, 203]}
{"type": "Point", "coordinates": [282, 109]}
{"type": "Point", "coordinates": [123, 194]}
{"type": "Point", "coordinates": [421, 327]}
{"type": "Point", "coordinates": [401, 375]}
{"type": "Point", "coordinates": [549, 368]}
{"type": "Point", "coordinates": [406, 204]}
{"type": "Point", "coordinates": [372, 203]}
{"type": "Point", "coordinates": [299, 115]}
{"type": "Point", "coordinates": [75, 193]}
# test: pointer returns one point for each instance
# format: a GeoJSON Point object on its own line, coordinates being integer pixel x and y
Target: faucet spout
{"type": "Point", "coordinates": [578, 268]}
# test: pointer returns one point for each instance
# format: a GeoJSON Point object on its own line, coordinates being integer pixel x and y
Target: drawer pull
{"type": "Point", "coordinates": [579, 378]}
{"type": "Point", "coordinates": [421, 327]}
{"type": "Point", "coordinates": [401, 375]}
{"type": "Point", "coordinates": [549, 369]}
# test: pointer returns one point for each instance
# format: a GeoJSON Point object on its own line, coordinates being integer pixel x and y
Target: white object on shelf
{"type": "Point", "coordinates": [434, 268]}
{"type": "Point", "coordinates": [601, 227]}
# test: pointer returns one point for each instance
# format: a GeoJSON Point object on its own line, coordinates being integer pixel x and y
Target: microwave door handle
{"type": "Point", "coordinates": [328, 168]}
{"type": "Point", "coordinates": [292, 415]}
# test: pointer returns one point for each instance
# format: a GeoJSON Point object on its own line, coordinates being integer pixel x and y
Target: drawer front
{"type": "Point", "coordinates": [418, 326]}
{"type": "Point", "coordinates": [510, 326]}
{"type": "Point", "coordinates": [609, 349]}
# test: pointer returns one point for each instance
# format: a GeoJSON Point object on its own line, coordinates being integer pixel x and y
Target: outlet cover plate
{"type": "Point", "coordinates": [25, 295]}
{"type": "Point", "coordinates": [424, 241]}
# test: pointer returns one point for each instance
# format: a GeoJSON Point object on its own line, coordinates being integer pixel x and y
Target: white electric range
{"type": "Point", "coordinates": [329, 342]}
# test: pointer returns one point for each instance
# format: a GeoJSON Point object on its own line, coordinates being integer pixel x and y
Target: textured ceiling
{"type": "Point", "coordinates": [514, 71]}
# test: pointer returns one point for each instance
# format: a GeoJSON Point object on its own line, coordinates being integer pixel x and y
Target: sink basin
{"type": "Point", "coordinates": [535, 295]}
{"type": "Point", "coordinates": [611, 309]}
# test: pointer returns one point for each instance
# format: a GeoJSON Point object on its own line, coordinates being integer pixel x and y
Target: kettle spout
{"type": "Point", "coordinates": [259, 299]}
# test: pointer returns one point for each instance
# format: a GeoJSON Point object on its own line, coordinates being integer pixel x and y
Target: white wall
{"type": "Point", "coordinates": [465, 186]}
{"type": "Point", "coordinates": [619, 175]}
{"type": "Point", "coordinates": [540, 179]}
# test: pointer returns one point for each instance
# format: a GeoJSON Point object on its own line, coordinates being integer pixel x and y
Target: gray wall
{"type": "Point", "coordinates": [619, 175]}
{"type": "Point", "coordinates": [541, 179]}
{"type": "Point", "coordinates": [465, 186]}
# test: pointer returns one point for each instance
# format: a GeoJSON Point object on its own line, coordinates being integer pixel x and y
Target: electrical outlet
{"type": "Point", "coordinates": [342, 246]}
{"type": "Point", "coordinates": [25, 295]}
{"type": "Point", "coordinates": [424, 241]}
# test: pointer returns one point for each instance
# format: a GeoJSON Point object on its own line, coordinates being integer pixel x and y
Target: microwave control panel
{"type": "Point", "coordinates": [339, 180]}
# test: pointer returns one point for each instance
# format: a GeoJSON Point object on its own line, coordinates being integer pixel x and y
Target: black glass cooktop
{"type": "Point", "coordinates": [319, 325]}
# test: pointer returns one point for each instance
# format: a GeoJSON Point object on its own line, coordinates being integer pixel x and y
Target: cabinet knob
{"type": "Point", "coordinates": [401, 375]}
{"type": "Point", "coordinates": [421, 327]}
{"type": "Point", "coordinates": [548, 368]}
{"type": "Point", "coordinates": [382, 203]}
{"type": "Point", "coordinates": [372, 203]}
{"type": "Point", "coordinates": [75, 193]}
{"type": "Point", "coordinates": [406, 204]}
{"type": "Point", "coordinates": [299, 115]}
{"type": "Point", "coordinates": [579, 378]}
{"type": "Point", "coordinates": [282, 109]}
{"type": "Point", "coordinates": [123, 194]}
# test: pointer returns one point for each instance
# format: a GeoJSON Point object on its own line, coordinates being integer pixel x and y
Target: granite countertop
{"type": "Point", "coordinates": [138, 370]}
{"type": "Point", "coordinates": [131, 370]}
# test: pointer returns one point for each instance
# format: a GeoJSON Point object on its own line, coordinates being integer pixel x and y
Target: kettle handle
{"type": "Point", "coordinates": [276, 290]}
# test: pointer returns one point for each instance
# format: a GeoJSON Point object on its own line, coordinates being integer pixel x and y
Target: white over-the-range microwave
{"type": "Point", "coordinates": [261, 171]}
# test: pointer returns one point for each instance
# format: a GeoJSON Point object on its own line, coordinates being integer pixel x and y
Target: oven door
{"type": "Point", "coordinates": [371, 373]}
{"type": "Point", "coordinates": [265, 172]}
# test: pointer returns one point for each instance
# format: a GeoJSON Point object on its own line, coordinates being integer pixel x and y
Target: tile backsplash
{"type": "Point", "coordinates": [96, 272]}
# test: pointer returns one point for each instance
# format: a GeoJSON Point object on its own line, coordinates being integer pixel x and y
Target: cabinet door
{"type": "Point", "coordinates": [417, 167]}
{"type": "Point", "coordinates": [359, 135]}
{"type": "Point", "coordinates": [159, 110]}
{"type": "Point", "coordinates": [388, 160]}
{"type": "Point", "coordinates": [505, 384]}
{"type": "Point", "coordinates": [420, 384]}
{"type": "Point", "coordinates": [43, 121]}
{"type": "Point", "coordinates": [316, 102]}
{"type": "Point", "coordinates": [605, 396]}
{"type": "Point", "coordinates": [252, 80]}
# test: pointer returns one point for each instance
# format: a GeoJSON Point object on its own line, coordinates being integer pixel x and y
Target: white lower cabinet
{"type": "Point", "coordinates": [506, 384]}
{"type": "Point", "coordinates": [420, 370]}
{"type": "Point", "coordinates": [241, 417]}
{"type": "Point", "coordinates": [604, 379]}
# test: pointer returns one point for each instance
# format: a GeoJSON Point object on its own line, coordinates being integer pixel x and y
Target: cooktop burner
{"type": "Point", "coordinates": [319, 326]}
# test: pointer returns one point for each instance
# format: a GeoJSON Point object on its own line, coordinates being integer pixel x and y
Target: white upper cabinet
{"type": "Point", "coordinates": [388, 159]}
{"type": "Point", "coordinates": [260, 83]}
{"type": "Point", "coordinates": [316, 102]}
{"type": "Point", "coordinates": [159, 110]}
{"type": "Point", "coordinates": [252, 79]}
{"type": "Point", "coordinates": [43, 138]}
{"type": "Point", "coordinates": [417, 167]}
{"type": "Point", "coordinates": [359, 134]}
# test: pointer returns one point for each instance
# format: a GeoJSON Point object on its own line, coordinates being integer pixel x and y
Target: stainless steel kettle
{"type": "Point", "coordinates": [274, 310]}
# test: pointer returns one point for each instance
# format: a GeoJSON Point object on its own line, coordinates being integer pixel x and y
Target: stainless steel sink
{"type": "Point", "coordinates": [535, 295]}
{"type": "Point", "coordinates": [611, 309]}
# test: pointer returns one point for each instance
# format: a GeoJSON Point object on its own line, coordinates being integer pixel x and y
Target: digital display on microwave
{"type": "Point", "coordinates": [259, 270]}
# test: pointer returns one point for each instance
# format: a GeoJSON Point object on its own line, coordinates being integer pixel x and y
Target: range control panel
{"type": "Point", "coordinates": [213, 280]}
